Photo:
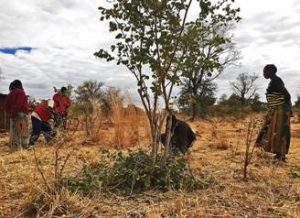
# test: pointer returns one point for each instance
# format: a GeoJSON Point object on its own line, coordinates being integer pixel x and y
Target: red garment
{"type": "Point", "coordinates": [43, 111]}
{"type": "Point", "coordinates": [61, 103]}
{"type": "Point", "coordinates": [16, 102]}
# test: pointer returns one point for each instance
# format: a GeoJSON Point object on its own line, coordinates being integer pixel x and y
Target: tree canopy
{"type": "Point", "coordinates": [155, 40]}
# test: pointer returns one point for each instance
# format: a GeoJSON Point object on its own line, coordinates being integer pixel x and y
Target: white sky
{"type": "Point", "coordinates": [66, 33]}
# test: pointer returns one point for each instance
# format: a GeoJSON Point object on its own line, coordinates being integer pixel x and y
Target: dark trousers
{"type": "Point", "coordinates": [60, 120]}
{"type": "Point", "coordinates": [39, 126]}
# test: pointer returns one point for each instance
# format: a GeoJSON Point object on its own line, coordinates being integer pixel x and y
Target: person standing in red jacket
{"type": "Point", "coordinates": [40, 118]}
{"type": "Point", "coordinates": [61, 104]}
{"type": "Point", "coordinates": [16, 106]}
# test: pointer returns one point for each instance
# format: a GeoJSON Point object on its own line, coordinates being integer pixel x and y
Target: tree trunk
{"type": "Point", "coordinates": [194, 104]}
{"type": "Point", "coordinates": [87, 125]}
{"type": "Point", "coordinates": [242, 99]}
{"type": "Point", "coordinates": [153, 119]}
{"type": "Point", "coordinates": [168, 138]}
{"type": "Point", "coordinates": [155, 137]}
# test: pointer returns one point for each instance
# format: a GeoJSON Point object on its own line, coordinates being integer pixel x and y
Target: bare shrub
{"type": "Point", "coordinates": [50, 201]}
{"type": "Point", "coordinates": [251, 131]}
{"type": "Point", "coordinates": [87, 116]}
{"type": "Point", "coordinates": [214, 122]}
{"type": "Point", "coordinates": [218, 140]}
{"type": "Point", "coordinates": [235, 146]}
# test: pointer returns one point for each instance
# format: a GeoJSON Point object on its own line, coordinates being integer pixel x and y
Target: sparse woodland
{"type": "Point", "coordinates": [109, 161]}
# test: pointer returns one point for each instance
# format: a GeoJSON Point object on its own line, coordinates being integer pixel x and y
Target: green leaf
{"type": "Point", "coordinates": [119, 36]}
{"type": "Point", "coordinates": [128, 40]}
{"type": "Point", "coordinates": [126, 29]}
{"type": "Point", "coordinates": [112, 26]}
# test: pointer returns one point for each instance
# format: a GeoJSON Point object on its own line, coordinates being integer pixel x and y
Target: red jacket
{"type": "Point", "coordinates": [43, 111]}
{"type": "Point", "coordinates": [16, 102]}
{"type": "Point", "coordinates": [61, 103]}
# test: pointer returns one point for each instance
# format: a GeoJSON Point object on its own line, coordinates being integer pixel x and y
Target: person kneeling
{"type": "Point", "coordinates": [182, 136]}
{"type": "Point", "coordinates": [40, 122]}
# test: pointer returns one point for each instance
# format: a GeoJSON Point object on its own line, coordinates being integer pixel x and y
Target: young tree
{"type": "Point", "coordinates": [202, 99]}
{"type": "Point", "coordinates": [256, 104]}
{"type": "Point", "coordinates": [111, 95]}
{"type": "Point", "coordinates": [87, 94]}
{"type": "Point", "coordinates": [244, 87]}
{"type": "Point", "coordinates": [209, 51]}
{"type": "Point", "coordinates": [222, 99]}
{"type": "Point", "coordinates": [89, 90]}
{"type": "Point", "coordinates": [149, 36]}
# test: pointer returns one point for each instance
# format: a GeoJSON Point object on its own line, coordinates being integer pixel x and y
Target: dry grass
{"type": "Point", "coordinates": [129, 123]}
{"type": "Point", "coordinates": [270, 191]}
{"type": "Point", "coordinates": [118, 119]}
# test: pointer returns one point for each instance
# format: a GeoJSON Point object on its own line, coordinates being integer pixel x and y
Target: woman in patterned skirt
{"type": "Point", "coordinates": [275, 135]}
{"type": "Point", "coordinates": [17, 108]}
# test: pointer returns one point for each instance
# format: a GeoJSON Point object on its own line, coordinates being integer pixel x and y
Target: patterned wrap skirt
{"type": "Point", "coordinates": [275, 135]}
{"type": "Point", "coordinates": [19, 131]}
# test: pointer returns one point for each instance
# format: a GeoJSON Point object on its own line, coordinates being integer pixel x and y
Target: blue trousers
{"type": "Point", "coordinates": [38, 127]}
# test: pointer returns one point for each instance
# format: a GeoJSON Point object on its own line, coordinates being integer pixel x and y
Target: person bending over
{"type": "Point", "coordinates": [40, 118]}
{"type": "Point", "coordinates": [182, 136]}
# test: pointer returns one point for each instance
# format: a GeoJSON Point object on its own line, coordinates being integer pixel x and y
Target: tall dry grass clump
{"type": "Point", "coordinates": [132, 117]}
{"type": "Point", "coordinates": [130, 123]}
{"type": "Point", "coordinates": [95, 121]}
{"type": "Point", "coordinates": [107, 121]}
{"type": "Point", "coordinates": [117, 118]}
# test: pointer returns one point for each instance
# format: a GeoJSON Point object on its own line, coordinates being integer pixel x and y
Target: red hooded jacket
{"type": "Point", "coordinates": [16, 102]}
{"type": "Point", "coordinates": [43, 111]}
{"type": "Point", "coordinates": [61, 103]}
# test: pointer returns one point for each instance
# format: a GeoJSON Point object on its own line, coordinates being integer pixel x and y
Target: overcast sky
{"type": "Point", "coordinates": [57, 39]}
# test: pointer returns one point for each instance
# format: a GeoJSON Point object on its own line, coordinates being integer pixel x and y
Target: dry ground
{"type": "Point", "coordinates": [218, 154]}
